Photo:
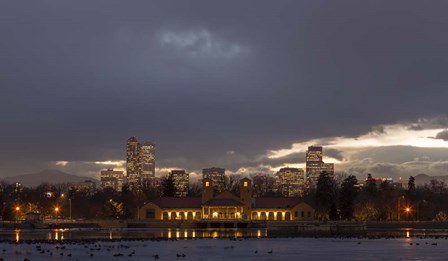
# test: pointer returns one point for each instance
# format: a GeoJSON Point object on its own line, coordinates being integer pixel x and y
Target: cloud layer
{"type": "Point", "coordinates": [201, 79]}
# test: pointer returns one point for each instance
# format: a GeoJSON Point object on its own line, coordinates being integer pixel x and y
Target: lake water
{"type": "Point", "coordinates": [230, 249]}
{"type": "Point", "coordinates": [115, 234]}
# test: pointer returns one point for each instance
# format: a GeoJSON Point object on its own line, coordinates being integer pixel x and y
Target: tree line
{"type": "Point", "coordinates": [333, 198]}
{"type": "Point", "coordinates": [346, 199]}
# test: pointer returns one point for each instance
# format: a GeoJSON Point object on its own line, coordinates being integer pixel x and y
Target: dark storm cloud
{"type": "Point", "coordinates": [399, 170]}
{"type": "Point", "coordinates": [443, 135]}
{"type": "Point", "coordinates": [433, 123]}
{"type": "Point", "coordinates": [399, 154]}
{"type": "Point", "coordinates": [201, 78]}
{"type": "Point", "coordinates": [333, 153]}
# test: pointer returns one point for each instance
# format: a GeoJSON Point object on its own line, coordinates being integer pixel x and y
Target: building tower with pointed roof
{"type": "Point", "coordinates": [207, 189]}
{"type": "Point", "coordinates": [246, 194]}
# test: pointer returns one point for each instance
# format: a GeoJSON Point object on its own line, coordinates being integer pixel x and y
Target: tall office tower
{"type": "Point", "coordinates": [291, 181]}
{"type": "Point", "coordinates": [140, 162]}
{"type": "Point", "coordinates": [133, 162]}
{"type": "Point", "coordinates": [315, 165]}
{"type": "Point", "coordinates": [111, 178]}
{"type": "Point", "coordinates": [217, 175]}
{"type": "Point", "coordinates": [148, 160]}
{"type": "Point", "coordinates": [181, 182]}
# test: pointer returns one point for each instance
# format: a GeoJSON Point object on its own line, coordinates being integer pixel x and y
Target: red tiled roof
{"type": "Point", "coordinates": [173, 202]}
{"type": "Point", "coordinates": [276, 202]}
{"type": "Point", "coordinates": [222, 202]}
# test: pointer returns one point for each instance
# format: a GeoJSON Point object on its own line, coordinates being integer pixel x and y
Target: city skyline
{"type": "Point", "coordinates": [224, 84]}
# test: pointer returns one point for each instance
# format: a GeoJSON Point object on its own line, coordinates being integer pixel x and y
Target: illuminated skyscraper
{"type": "Point", "coordinates": [140, 162]}
{"type": "Point", "coordinates": [148, 160]}
{"type": "Point", "coordinates": [217, 175]}
{"type": "Point", "coordinates": [111, 178]}
{"type": "Point", "coordinates": [181, 182]}
{"type": "Point", "coordinates": [291, 181]}
{"type": "Point", "coordinates": [315, 165]}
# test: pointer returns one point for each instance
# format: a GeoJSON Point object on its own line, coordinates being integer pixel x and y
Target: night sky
{"type": "Point", "coordinates": [244, 85]}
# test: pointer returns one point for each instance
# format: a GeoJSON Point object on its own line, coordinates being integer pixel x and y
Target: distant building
{"type": "Point", "coordinates": [140, 162]}
{"type": "Point", "coordinates": [86, 186]}
{"type": "Point", "coordinates": [378, 181]}
{"type": "Point", "coordinates": [226, 206]}
{"type": "Point", "coordinates": [315, 165]}
{"type": "Point", "coordinates": [291, 181]}
{"type": "Point", "coordinates": [133, 162]}
{"type": "Point", "coordinates": [111, 178]}
{"type": "Point", "coordinates": [217, 175]}
{"type": "Point", "coordinates": [18, 187]}
{"type": "Point", "coordinates": [181, 182]}
{"type": "Point", "coordinates": [148, 160]}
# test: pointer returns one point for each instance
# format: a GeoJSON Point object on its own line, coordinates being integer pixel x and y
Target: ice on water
{"type": "Point", "coordinates": [244, 249]}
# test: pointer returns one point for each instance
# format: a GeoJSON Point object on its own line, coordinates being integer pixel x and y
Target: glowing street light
{"type": "Point", "coordinates": [56, 210]}
{"type": "Point", "coordinates": [407, 210]}
{"type": "Point", "coordinates": [17, 208]}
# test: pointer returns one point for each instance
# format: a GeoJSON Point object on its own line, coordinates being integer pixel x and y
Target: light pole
{"type": "Point", "coordinates": [418, 208]}
{"type": "Point", "coordinates": [70, 204]}
{"type": "Point", "coordinates": [399, 208]}
{"type": "Point", "coordinates": [17, 213]}
{"type": "Point", "coordinates": [407, 213]}
{"type": "Point", "coordinates": [56, 210]}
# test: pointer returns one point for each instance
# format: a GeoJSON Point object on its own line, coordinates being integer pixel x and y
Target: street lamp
{"type": "Point", "coordinates": [56, 210]}
{"type": "Point", "coordinates": [407, 213]}
{"type": "Point", "coordinates": [70, 204]}
{"type": "Point", "coordinates": [17, 208]}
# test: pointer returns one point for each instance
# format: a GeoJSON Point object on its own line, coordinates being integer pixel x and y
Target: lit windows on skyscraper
{"type": "Point", "coordinates": [181, 182]}
{"type": "Point", "coordinates": [140, 162]}
{"type": "Point", "coordinates": [148, 160]}
{"type": "Point", "coordinates": [315, 165]}
{"type": "Point", "coordinates": [217, 175]}
{"type": "Point", "coordinates": [291, 181]}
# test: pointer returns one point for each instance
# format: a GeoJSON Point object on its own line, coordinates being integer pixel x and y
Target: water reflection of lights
{"type": "Point", "coordinates": [58, 234]}
{"type": "Point", "coordinates": [110, 235]}
{"type": "Point", "coordinates": [211, 233]}
{"type": "Point", "coordinates": [17, 235]}
{"type": "Point", "coordinates": [408, 234]}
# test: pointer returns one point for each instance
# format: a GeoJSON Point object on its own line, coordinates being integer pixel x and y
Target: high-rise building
{"type": "Point", "coordinates": [86, 186]}
{"type": "Point", "coordinates": [111, 178]}
{"type": "Point", "coordinates": [181, 182]}
{"type": "Point", "coordinates": [140, 162]}
{"type": "Point", "coordinates": [315, 165]}
{"type": "Point", "coordinates": [148, 160]}
{"type": "Point", "coordinates": [291, 181]}
{"type": "Point", "coordinates": [217, 175]}
{"type": "Point", "coordinates": [133, 161]}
